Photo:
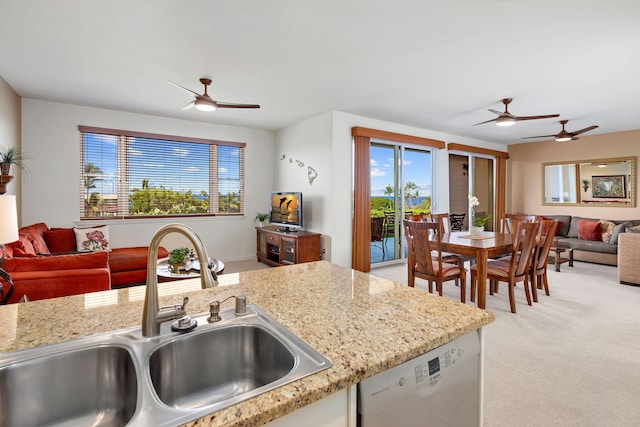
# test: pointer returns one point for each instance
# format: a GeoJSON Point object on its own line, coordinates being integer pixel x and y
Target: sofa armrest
{"type": "Point", "coordinates": [629, 258]}
{"type": "Point", "coordinates": [57, 262]}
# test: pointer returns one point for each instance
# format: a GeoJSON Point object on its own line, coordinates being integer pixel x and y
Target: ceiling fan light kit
{"type": "Point", "coordinates": [203, 102]}
{"type": "Point", "coordinates": [505, 121]}
{"type": "Point", "coordinates": [565, 136]}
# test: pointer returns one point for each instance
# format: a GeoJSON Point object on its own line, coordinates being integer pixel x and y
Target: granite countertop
{"type": "Point", "coordinates": [362, 323]}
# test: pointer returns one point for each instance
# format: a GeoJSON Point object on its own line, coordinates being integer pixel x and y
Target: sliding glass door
{"type": "Point", "coordinates": [401, 186]}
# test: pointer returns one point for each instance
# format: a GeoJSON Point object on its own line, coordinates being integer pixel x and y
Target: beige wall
{"type": "Point", "coordinates": [10, 129]}
{"type": "Point", "coordinates": [524, 176]}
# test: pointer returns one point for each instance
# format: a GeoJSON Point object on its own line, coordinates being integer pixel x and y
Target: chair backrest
{"type": "Point", "coordinates": [524, 241]}
{"type": "Point", "coordinates": [456, 221]}
{"type": "Point", "coordinates": [442, 219]}
{"type": "Point", "coordinates": [377, 224]}
{"type": "Point", "coordinates": [510, 222]}
{"type": "Point", "coordinates": [420, 246]}
{"type": "Point", "coordinates": [546, 234]}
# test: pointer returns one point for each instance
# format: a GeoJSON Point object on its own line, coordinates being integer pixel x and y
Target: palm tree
{"type": "Point", "coordinates": [91, 173]}
{"type": "Point", "coordinates": [408, 188]}
{"type": "Point", "coordinates": [388, 191]}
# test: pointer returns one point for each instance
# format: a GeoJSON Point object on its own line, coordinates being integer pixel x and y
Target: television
{"type": "Point", "coordinates": [286, 211]}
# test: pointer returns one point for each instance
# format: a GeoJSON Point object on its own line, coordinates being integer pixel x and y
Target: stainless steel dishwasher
{"type": "Point", "coordinates": [439, 388]}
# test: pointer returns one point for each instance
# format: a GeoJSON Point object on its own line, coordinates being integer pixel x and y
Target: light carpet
{"type": "Point", "coordinates": [572, 359]}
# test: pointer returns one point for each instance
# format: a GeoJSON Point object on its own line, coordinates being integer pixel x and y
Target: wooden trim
{"type": "Point", "coordinates": [361, 232]}
{"type": "Point", "coordinates": [396, 137]}
{"type": "Point", "coordinates": [452, 146]}
{"type": "Point", "coordinates": [120, 132]}
{"type": "Point", "coordinates": [501, 189]}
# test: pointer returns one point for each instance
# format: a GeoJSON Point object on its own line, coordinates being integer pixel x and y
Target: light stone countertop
{"type": "Point", "coordinates": [363, 324]}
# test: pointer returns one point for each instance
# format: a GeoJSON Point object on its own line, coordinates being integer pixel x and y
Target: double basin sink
{"type": "Point", "coordinates": [121, 378]}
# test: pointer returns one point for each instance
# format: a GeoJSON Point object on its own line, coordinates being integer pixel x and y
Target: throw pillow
{"type": "Point", "coordinates": [606, 229]}
{"type": "Point", "coordinates": [36, 240]}
{"type": "Point", "coordinates": [589, 230]}
{"type": "Point", "coordinates": [60, 240]}
{"type": "Point", "coordinates": [559, 226]}
{"type": "Point", "coordinates": [616, 232]}
{"type": "Point", "coordinates": [23, 247]}
{"type": "Point", "coordinates": [92, 239]}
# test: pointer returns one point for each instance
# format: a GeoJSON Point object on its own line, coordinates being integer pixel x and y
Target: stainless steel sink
{"type": "Point", "coordinates": [94, 386]}
{"type": "Point", "coordinates": [217, 365]}
{"type": "Point", "coordinates": [123, 378]}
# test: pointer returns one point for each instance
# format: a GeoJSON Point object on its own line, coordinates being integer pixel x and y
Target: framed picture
{"type": "Point", "coordinates": [608, 186]}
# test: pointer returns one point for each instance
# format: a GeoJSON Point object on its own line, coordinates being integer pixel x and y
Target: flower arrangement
{"type": "Point", "coordinates": [478, 222]}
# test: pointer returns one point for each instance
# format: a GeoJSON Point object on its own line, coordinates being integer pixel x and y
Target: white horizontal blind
{"type": "Point", "coordinates": [127, 174]}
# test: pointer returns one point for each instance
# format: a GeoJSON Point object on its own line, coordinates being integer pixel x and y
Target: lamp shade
{"type": "Point", "coordinates": [8, 219]}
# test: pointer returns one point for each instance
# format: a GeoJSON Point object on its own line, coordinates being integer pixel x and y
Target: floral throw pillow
{"type": "Point", "coordinates": [92, 239]}
{"type": "Point", "coordinates": [606, 229]}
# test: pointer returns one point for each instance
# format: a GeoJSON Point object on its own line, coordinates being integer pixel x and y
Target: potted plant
{"type": "Point", "coordinates": [261, 217]}
{"type": "Point", "coordinates": [176, 259]}
{"type": "Point", "coordinates": [10, 156]}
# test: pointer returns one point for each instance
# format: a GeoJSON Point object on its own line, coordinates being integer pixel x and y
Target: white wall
{"type": "Point", "coordinates": [299, 147]}
{"type": "Point", "coordinates": [326, 140]}
{"type": "Point", "coordinates": [51, 191]}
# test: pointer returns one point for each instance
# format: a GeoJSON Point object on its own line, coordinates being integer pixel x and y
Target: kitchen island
{"type": "Point", "coordinates": [363, 324]}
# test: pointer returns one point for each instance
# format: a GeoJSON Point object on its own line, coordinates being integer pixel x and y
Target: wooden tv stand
{"type": "Point", "coordinates": [279, 248]}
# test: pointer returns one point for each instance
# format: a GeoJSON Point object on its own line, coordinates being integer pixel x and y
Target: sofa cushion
{"type": "Point", "coordinates": [60, 240]}
{"type": "Point", "coordinates": [573, 227]}
{"type": "Point", "coordinates": [606, 229]}
{"type": "Point", "coordinates": [92, 239]}
{"type": "Point", "coordinates": [44, 264]}
{"type": "Point", "coordinates": [22, 247]}
{"type": "Point", "coordinates": [564, 220]}
{"type": "Point", "coordinates": [590, 245]}
{"type": "Point", "coordinates": [619, 228]}
{"type": "Point", "coordinates": [589, 230]}
{"type": "Point", "coordinates": [34, 234]}
{"type": "Point", "coordinates": [635, 229]}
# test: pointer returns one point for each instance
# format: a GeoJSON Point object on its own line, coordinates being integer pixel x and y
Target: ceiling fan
{"type": "Point", "coordinates": [564, 136]}
{"type": "Point", "coordinates": [508, 119]}
{"type": "Point", "coordinates": [205, 103]}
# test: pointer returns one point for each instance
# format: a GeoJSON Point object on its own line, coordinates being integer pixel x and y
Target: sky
{"type": "Point", "coordinates": [174, 165]}
{"type": "Point", "coordinates": [417, 169]}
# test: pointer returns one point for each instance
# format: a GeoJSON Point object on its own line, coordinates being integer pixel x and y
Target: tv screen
{"type": "Point", "coordinates": [286, 210]}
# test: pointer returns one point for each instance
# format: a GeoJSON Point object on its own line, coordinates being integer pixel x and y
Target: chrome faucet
{"type": "Point", "coordinates": [152, 314]}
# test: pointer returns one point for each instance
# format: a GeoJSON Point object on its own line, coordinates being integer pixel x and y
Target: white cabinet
{"type": "Point", "coordinates": [337, 410]}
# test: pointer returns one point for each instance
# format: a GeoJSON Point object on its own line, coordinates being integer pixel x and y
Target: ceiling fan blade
{"type": "Point", "coordinates": [182, 87]}
{"type": "Point", "coordinates": [539, 136]}
{"type": "Point", "coordinates": [578, 132]}
{"type": "Point", "coordinates": [230, 105]}
{"type": "Point", "coordinates": [488, 121]}
{"type": "Point", "coordinates": [189, 105]}
{"type": "Point", "coordinates": [495, 111]}
{"type": "Point", "coordinates": [548, 116]}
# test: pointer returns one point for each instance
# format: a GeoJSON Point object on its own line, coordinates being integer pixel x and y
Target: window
{"type": "Point", "coordinates": [128, 174]}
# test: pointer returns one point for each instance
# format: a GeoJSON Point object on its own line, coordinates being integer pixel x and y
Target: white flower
{"type": "Point", "coordinates": [473, 200]}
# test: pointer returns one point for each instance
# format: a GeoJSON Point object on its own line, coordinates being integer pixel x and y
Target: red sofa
{"type": "Point", "coordinates": [43, 264]}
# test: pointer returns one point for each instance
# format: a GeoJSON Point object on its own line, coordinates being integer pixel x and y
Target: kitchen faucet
{"type": "Point", "coordinates": [152, 314]}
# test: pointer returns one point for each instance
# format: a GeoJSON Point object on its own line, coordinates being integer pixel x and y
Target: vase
{"type": "Point", "coordinates": [477, 231]}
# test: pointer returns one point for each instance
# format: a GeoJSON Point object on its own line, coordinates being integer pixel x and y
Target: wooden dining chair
{"type": "Point", "coordinates": [456, 221]}
{"type": "Point", "coordinates": [514, 269]}
{"type": "Point", "coordinates": [444, 226]}
{"type": "Point", "coordinates": [377, 231]}
{"type": "Point", "coordinates": [510, 221]}
{"type": "Point", "coordinates": [538, 269]}
{"type": "Point", "coordinates": [425, 260]}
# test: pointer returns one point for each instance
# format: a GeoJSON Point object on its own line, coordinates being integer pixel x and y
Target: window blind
{"type": "Point", "coordinates": [127, 174]}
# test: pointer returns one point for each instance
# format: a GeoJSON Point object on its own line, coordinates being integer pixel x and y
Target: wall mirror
{"type": "Point", "coordinates": [592, 182]}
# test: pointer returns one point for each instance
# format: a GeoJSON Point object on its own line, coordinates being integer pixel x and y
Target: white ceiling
{"type": "Point", "coordinates": [432, 64]}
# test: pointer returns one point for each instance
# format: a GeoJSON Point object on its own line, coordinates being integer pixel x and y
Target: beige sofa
{"type": "Point", "coordinates": [629, 258]}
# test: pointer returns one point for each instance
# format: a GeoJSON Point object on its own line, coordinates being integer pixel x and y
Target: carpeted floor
{"type": "Point", "coordinates": [573, 359]}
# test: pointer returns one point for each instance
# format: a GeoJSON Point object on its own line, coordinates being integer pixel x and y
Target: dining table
{"type": "Point", "coordinates": [486, 244]}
